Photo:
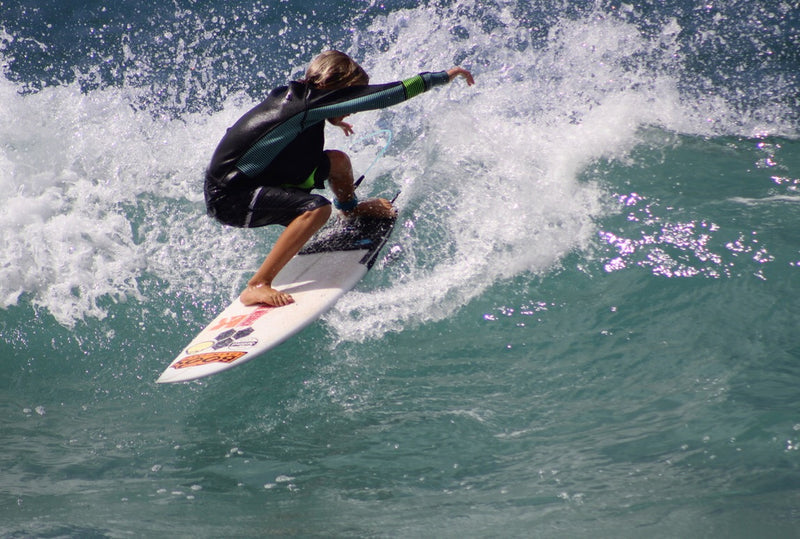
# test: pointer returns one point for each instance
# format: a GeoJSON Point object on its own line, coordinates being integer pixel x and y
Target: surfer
{"type": "Point", "coordinates": [266, 165]}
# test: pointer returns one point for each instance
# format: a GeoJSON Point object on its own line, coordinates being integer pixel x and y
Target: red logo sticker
{"type": "Point", "coordinates": [242, 320]}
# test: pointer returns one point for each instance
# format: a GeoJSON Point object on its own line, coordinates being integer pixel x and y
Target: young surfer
{"type": "Point", "coordinates": [266, 165]}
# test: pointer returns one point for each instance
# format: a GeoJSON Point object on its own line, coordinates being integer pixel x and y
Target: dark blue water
{"type": "Point", "coordinates": [585, 324]}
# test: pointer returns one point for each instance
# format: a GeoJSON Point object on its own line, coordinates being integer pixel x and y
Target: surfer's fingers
{"type": "Point", "coordinates": [459, 71]}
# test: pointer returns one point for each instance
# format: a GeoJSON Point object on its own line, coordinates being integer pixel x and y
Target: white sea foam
{"type": "Point", "coordinates": [88, 184]}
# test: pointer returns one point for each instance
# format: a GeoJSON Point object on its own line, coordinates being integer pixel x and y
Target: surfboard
{"type": "Point", "coordinates": [328, 266]}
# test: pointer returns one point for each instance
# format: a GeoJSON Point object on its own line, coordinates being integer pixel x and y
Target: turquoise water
{"type": "Point", "coordinates": [584, 325]}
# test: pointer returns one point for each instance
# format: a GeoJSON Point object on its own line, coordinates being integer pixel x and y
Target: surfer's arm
{"type": "Point", "coordinates": [374, 97]}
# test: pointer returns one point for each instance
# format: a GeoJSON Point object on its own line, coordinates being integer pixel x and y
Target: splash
{"type": "Point", "coordinates": [493, 177]}
{"type": "Point", "coordinates": [97, 196]}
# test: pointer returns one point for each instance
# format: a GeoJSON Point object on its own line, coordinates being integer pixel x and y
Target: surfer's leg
{"type": "Point", "coordinates": [341, 176]}
{"type": "Point", "coordinates": [297, 233]}
{"type": "Point", "coordinates": [342, 184]}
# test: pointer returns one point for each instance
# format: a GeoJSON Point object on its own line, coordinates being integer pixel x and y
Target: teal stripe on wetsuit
{"type": "Point", "coordinates": [263, 152]}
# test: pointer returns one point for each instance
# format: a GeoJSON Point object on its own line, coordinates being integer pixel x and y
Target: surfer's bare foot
{"type": "Point", "coordinates": [374, 207]}
{"type": "Point", "coordinates": [264, 295]}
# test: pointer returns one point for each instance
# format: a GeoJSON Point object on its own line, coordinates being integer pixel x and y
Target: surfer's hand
{"type": "Point", "coordinates": [374, 207]}
{"type": "Point", "coordinates": [460, 72]}
{"type": "Point", "coordinates": [339, 122]}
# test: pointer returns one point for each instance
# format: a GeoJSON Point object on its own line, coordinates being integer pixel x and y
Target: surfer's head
{"type": "Point", "coordinates": [332, 70]}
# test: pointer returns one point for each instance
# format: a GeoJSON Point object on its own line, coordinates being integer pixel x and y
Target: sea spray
{"type": "Point", "coordinates": [496, 180]}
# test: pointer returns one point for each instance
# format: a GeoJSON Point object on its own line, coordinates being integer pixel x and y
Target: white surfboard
{"type": "Point", "coordinates": [330, 264]}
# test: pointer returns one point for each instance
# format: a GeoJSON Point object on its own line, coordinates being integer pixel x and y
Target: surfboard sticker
{"type": "Point", "coordinates": [327, 267]}
{"type": "Point", "coordinates": [205, 359]}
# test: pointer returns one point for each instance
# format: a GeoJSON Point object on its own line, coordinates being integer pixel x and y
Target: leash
{"type": "Point", "coordinates": [381, 152]}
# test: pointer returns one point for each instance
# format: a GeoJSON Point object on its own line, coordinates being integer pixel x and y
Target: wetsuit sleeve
{"type": "Point", "coordinates": [380, 97]}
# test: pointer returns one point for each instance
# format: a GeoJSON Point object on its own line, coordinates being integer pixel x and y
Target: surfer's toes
{"type": "Point", "coordinates": [283, 299]}
{"type": "Point", "coordinates": [264, 295]}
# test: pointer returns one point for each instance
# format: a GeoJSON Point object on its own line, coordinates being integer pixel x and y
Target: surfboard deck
{"type": "Point", "coordinates": [328, 266]}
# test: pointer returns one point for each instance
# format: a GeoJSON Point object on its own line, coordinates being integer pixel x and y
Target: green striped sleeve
{"type": "Point", "coordinates": [423, 82]}
{"type": "Point", "coordinates": [414, 86]}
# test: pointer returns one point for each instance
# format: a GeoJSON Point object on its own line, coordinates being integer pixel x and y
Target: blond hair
{"type": "Point", "coordinates": [333, 70]}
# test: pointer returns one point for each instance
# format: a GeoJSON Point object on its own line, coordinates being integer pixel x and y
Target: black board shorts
{"type": "Point", "coordinates": [272, 205]}
{"type": "Point", "coordinates": [280, 205]}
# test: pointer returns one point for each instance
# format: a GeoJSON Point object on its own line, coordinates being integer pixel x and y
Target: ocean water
{"type": "Point", "coordinates": [587, 323]}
